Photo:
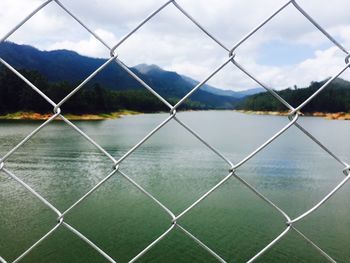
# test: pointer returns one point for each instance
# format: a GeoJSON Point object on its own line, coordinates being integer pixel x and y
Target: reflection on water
{"type": "Point", "coordinates": [177, 169]}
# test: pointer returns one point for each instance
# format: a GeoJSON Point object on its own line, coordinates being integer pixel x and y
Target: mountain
{"type": "Point", "coordinates": [62, 65]}
{"type": "Point", "coordinates": [250, 92]}
{"type": "Point", "coordinates": [228, 93]}
{"type": "Point", "coordinates": [333, 99]}
{"type": "Point", "coordinates": [69, 66]}
{"type": "Point", "coordinates": [146, 68]}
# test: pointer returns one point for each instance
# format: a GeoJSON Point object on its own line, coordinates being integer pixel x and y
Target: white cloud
{"type": "Point", "coordinates": [88, 47]}
{"type": "Point", "coordinates": [174, 43]}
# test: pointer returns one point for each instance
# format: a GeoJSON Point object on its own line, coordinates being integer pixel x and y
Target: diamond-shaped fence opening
{"type": "Point", "coordinates": [174, 224]}
{"type": "Point", "coordinates": [123, 230]}
{"type": "Point", "coordinates": [189, 180]}
{"type": "Point", "coordinates": [283, 50]}
{"type": "Point", "coordinates": [136, 51]}
{"type": "Point", "coordinates": [48, 161]}
{"type": "Point", "coordinates": [209, 222]}
{"type": "Point", "coordinates": [20, 223]}
{"type": "Point", "coordinates": [275, 169]}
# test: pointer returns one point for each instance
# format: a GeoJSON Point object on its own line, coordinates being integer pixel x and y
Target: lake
{"type": "Point", "coordinates": [177, 169]}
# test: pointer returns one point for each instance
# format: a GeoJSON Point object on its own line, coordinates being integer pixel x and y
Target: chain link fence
{"type": "Point", "coordinates": [294, 114]}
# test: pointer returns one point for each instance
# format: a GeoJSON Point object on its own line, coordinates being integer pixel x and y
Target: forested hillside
{"type": "Point", "coordinates": [15, 95]}
{"type": "Point", "coordinates": [334, 98]}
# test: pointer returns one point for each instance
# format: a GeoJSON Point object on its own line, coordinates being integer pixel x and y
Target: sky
{"type": "Point", "coordinates": [287, 51]}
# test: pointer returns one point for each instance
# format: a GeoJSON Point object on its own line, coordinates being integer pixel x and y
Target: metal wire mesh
{"type": "Point", "coordinates": [294, 113]}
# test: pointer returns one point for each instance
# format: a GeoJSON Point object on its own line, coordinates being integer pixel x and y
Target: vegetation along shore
{"type": "Point", "coordinates": [76, 117]}
{"type": "Point", "coordinates": [330, 116]}
{"type": "Point", "coordinates": [332, 103]}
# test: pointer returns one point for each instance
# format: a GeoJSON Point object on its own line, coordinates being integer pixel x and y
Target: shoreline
{"type": "Point", "coordinates": [33, 116]}
{"type": "Point", "coordinates": [329, 116]}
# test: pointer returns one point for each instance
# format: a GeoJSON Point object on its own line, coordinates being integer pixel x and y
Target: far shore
{"type": "Point", "coordinates": [330, 116]}
{"type": "Point", "coordinates": [76, 117]}
{"type": "Point", "coordinates": [116, 115]}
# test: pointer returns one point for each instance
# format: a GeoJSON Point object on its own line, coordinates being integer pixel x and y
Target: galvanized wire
{"type": "Point", "coordinates": [233, 168]}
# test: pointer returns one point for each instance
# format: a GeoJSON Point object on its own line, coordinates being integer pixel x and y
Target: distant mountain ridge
{"type": "Point", "coordinates": [228, 93]}
{"type": "Point", "coordinates": [65, 65]}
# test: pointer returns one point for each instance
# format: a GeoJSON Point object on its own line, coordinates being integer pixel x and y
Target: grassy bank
{"type": "Point", "coordinates": [330, 116]}
{"type": "Point", "coordinates": [81, 117]}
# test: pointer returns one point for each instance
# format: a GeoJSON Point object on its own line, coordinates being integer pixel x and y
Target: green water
{"type": "Point", "coordinates": [177, 169]}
